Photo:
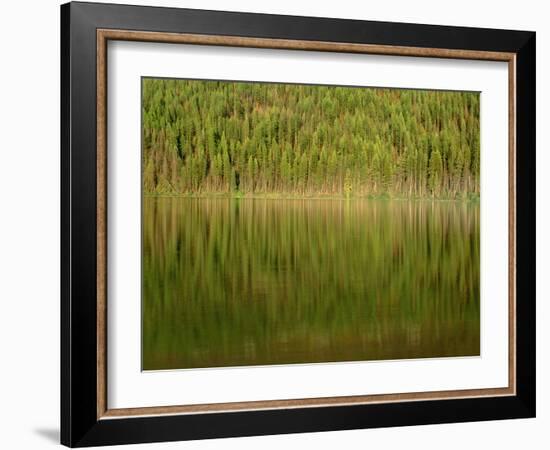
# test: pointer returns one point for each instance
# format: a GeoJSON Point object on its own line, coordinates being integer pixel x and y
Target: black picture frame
{"type": "Point", "coordinates": [80, 425]}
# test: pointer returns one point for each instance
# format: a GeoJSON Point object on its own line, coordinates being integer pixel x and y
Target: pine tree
{"type": "Point", "coordinates": [435, 172]}
{"type": "Point", "coordinates": [206, 136]}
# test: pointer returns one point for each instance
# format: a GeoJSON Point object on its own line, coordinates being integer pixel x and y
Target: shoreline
{"type": "Point", "coordinates": [474, 198]}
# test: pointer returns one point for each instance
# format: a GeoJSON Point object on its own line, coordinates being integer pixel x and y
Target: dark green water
{"type": "Point", "coordinates": [229, 282]}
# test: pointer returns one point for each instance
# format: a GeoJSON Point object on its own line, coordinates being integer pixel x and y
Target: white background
{"type": "Point", "coordinates": [128, 386]}
{"type": "Point", "coordinates": [29, 226]}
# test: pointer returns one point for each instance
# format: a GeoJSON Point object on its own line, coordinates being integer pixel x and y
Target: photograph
{"type": "Point", "coordinates": [299, 223]}
{"type": "Point", "coordinates": [285, 220]}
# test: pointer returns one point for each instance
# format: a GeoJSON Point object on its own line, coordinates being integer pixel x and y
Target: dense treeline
{"type": "Point", "coordinates": [258, 138]}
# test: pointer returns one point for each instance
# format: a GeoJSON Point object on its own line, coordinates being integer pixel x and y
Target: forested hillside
{"type": "Point", "coordinates": [205, 137]}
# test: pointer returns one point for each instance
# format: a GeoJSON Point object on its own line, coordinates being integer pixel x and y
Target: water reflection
{"type": "Point", "coordinates": [231, 282]}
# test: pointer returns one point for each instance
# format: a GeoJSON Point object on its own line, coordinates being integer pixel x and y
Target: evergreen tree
{"type": "Point", "coordinates": [217, 136]}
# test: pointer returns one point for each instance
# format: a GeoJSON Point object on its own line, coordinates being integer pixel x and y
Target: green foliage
{"type": "Point", "coordinates": [435, 171]}
{"type": "Point", "coordinates": [223, 137]}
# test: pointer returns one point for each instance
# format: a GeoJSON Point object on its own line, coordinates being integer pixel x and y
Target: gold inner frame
{"type": "Point", "coordinates": [103, 36]}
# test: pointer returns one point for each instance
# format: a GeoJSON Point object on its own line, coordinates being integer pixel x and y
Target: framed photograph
{"type": "Point", "coordinates": [278, 224]}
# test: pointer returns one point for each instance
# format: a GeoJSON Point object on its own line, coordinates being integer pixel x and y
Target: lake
{"type": "Point", "coordinates": [232, 282]}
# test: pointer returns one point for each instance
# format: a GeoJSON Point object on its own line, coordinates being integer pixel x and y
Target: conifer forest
{"type": "Point", "coordinates": [246, 138]}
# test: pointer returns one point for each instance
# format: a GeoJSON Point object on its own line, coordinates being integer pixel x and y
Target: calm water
{"type": "Point", "coordinates": [251, 282]}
